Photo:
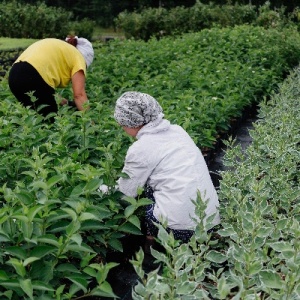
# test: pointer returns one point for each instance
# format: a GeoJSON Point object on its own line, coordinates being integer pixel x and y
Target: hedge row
{"type": "Point", "coordinates": [256, 253]}
{"type": "Point", "coordinates": [40, 21]}
{"type": "Point", "coordinates": [159, 22]}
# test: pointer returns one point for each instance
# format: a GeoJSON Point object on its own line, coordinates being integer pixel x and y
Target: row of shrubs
{"type": "Point", "coordinates": [256, 253]}
{"type": "Point", "coordinates": [56, 228]}
{"type": "Point", "coordinates": [159, 22]}
{"type": "Point", "coordinates": [39, 21]}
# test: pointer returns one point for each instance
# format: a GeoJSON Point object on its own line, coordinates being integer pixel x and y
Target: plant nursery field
{"type": "Point", "coordinates": [56, 227]}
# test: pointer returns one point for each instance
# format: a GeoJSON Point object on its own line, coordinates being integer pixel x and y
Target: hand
{"type": "Point", "coordinates": [64, 102]}
{"type": "Point", "coordinates": [103, 188]}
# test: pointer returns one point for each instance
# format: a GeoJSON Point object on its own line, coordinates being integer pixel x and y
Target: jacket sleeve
{"type": "Point", "coordinates": [138, 169]}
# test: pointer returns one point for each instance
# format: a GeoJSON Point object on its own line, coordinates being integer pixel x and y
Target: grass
{"type": "Point", "coordinates": [99, 34]}
{"type": "Point", "coordinates": [12, 43]}
{"type": "Point", "coordinates": [103, 33]}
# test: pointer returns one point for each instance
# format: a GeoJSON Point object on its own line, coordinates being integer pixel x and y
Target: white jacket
{"type": "Point", "coordinates": [165, 157]}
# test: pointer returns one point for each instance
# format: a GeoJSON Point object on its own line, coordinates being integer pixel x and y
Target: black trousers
{"type": "Point", "coordinates": [23, 79]}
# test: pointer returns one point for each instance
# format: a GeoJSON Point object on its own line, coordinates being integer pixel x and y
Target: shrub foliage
{"type": "Point", "coordinates": [256, 253]}
{"type": "Point", "coordinates": [39, 21]}
{"type": "Point", "coordinates": [56, 227]}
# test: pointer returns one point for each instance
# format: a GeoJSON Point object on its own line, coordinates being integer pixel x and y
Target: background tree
{"type": "Point", "coordinates": [105, 11]}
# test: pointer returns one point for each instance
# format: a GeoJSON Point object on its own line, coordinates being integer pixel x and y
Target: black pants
{"type": "Point", "coordinates": [24, 78]}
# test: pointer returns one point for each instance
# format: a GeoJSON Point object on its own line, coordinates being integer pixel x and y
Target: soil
{"type": "Point", "coordinates": [123, 278]}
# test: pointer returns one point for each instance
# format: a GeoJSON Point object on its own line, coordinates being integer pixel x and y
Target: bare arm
{"type": "Point", "coordinates": [78, 86]}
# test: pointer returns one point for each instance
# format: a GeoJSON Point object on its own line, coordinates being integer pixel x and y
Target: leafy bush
{"type": "Point", "coordinates": [39, 21]}
{"type": "Point", "coordinates": [83, 28]}
{"type": "Point", "coordinates": [202, 80]}
{"type": "Point", "coordinates": [158, 22]}
{"type": "Point", "coordinates": [56, 227]}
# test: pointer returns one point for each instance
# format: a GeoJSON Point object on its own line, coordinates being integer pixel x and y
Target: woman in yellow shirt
{"type": "Point", "coordinates": [48, 64]}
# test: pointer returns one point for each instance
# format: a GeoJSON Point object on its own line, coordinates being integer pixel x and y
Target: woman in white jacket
{"type": "Point", "coordinates": [164, 159]}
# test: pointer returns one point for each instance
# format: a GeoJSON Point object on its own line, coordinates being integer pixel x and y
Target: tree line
{"type": "Point", "coordinates": [105, 11]}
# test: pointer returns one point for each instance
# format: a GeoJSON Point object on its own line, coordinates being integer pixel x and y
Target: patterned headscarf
{"type": "Point", "coordinates": [134, 109]}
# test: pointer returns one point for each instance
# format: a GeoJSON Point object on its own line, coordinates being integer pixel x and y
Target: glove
{"type": "Point", "coordinates": [103, 188]}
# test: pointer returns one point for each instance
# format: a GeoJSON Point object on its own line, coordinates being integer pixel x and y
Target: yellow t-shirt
{"type": "Point", "coordinates": [55, 60]}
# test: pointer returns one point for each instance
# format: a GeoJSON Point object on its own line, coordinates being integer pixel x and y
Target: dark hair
{"type": "Point", "coordinates": [71, 39]}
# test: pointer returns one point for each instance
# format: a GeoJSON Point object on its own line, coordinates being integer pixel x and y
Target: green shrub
{"type": "Point", "coordinates": [202, 79]}
{"type": "Point", "coordinates": [32, 21]}
{"type": "Point", "coordinates": [159, 22]}
{"type": "Point", "coordinates": [269, 18]}
{"type": "Point", "coordinates": [39, 21]}
{"type": "Point", "coordinates": [83, 28]}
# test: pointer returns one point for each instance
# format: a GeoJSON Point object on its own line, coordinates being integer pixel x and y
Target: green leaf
{"type": "Point", "coordinates": [186, 288]}
{"type": "Point", "coordinates": [4, 238]}
{"type": "Point", "coordinates": [285, 248]}
{"type": "Point", "coordinates": [129, 210]}
{"type": "Point", "coordinates": [25, 197]}
{"type": "Point", "coordinates": [216, 256]}
{"type": "Point", "coordinates": [130, 228]}
{"type": "Point", "coordinates": [39, 185]}
{"type": "Point", "coordinates": [144, 201]}
{"type": "Point", "coordinates": [264, 232]}
{"type": "Point", "coordinates": [77, 238]}
{"type": "Point", "coordinates": [72, 228]}
{"type": "Point", "coordinates": [16, 251]}
{"type": "Point", "coordinates": [68, 267]}
{"type": "Point", "coordinates": [93, 185]}
{"type": "Point", "coordinates": [77, 191]}
{"type": "Point", "coordinates": [3, 275]}
{"type": "Point", "coordinates": [27, 287]}
{"type": "Point", "coordinates": [281, 246]}
{"type": "Point", "coordinates": [43, 269]}
{"type": "Point", "coordinates": [49, 239]}
{"type": "Point", "coordinates": [131, 200]}
{"type": "Point", "coordinates": [223, 288]}
{"type": "Point", "coordinates": [271, 279]}
{"type": "Point", "coordinates": [33, 211]}
{"type": "Point", "coordinates": [18, 265]}
{"type": "Point", "coordinates": [255, 267]}
{"type": "Point", "coordinates": [71, 213]}
{"type": "Point", "coordinates": [93, 225]}
{"type": "Point", "coordinates": [41, 286]}
{"type": "Point", "coordinates": [80, 281]}
{"type": "Point", "coordinates": [57, 215]}
{"type": "Point", "coordinates": [135, 221]}
{"type": "Point", "coordinates": [115, 244]}
{"type": "Point", "coordinates": [55, 179]}
{"type": "Point", "coordinates": [42, 250]}
{"type": "Point", "coordinates": [88, 216]}
{"type": "Point", "coordinates": [79, 248]}
{"type": "Point", "coordinates": [104, 290]}
{"type": "Point", "coordinates": [20, 217]}
{"type": "Point", "coordinates": [29, 260]}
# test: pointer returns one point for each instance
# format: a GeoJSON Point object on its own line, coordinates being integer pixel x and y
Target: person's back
{"type": "Point", "coordinates": [178, 172]}
{"type": "Point", "coordinates": [55, 60]}
{"type": "Point", "coordinates": [49, 64]}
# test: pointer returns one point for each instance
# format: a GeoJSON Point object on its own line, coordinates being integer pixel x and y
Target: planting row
{"type": "Point", "coordinates": [202, 80]}
{"type": "Point", "coordinates": [55, 226]}
{"type": "Point", "coordinates": [257, 252]}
